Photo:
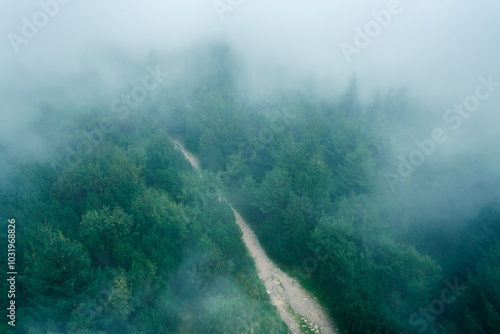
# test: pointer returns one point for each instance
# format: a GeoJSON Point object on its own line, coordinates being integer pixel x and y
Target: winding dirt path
{"type": "Point", "coordinates": [298, 310]}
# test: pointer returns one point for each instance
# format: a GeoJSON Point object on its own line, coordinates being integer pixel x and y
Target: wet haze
{"type": "Point", "coordinates": [436, 50]}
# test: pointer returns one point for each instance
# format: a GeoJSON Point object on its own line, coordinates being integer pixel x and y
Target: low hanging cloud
{"type": "Point", "coordinates": [80, 49]}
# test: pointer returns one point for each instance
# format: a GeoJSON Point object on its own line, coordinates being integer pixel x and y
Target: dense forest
{"type": "Point", "coordinates": [124, 236]}
{"type": "Point", "coordinates": [117, 233]}
{"type": "Point", "coordinates": [311, 176]}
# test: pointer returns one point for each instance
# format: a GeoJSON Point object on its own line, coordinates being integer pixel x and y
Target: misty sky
{"type": "Point", "coordinates": [436, 49]}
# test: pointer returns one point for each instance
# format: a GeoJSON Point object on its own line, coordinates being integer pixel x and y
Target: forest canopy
{"type": "Point", "coordinates": [129, 238]}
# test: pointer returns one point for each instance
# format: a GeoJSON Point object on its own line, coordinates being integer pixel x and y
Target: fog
{"type": "Point", "coordinates": [89, 49]}
{"type": "Point", "coordinates": [438, 62]}
{"type": "Point", "coordinates": [426, 46]}
{"type": "Point", "coordinates": [84, 50]}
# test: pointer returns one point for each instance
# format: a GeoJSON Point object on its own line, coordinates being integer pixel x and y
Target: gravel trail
{"type": "Point", "coordinates": [297, 308]}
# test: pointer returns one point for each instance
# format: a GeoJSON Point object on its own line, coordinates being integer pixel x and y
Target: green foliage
{"type": "Point", "coordinates": [160, 228]}
{"type": "Point", "coordinates": [164, 164]}
{"type": "Point", "coordinates": [118, 304]}
{"type": "Point", "coordinates": [56, 266]}
{"type": "Point", "coordinates": [302, 181]}
{"type": "Point", "coordinates": [274, 192]}
{"type": "Point", "coordinates": [138, 242]}
{"type": "Point", "coordinates": [134, 242]}
{"type": "Point", "coordinates": [482, 311]}
{"type": "Point", "coordinates": [104, 231]}
{"type": "Point", "coordinates": [107, 176]}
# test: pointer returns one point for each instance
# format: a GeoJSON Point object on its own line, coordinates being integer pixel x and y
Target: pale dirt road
{"type": "Point", "coordinates": [298, 310]}
{"type": "Point", "coordinates": [192, 159]}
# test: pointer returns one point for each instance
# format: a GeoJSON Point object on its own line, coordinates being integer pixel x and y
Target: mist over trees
{"type": "Point", "coordinates": [126, 236]}
{"type": "Point", "coordinates": [130, 239]}
{"type": "Point", "coordinates": [374, 182]}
